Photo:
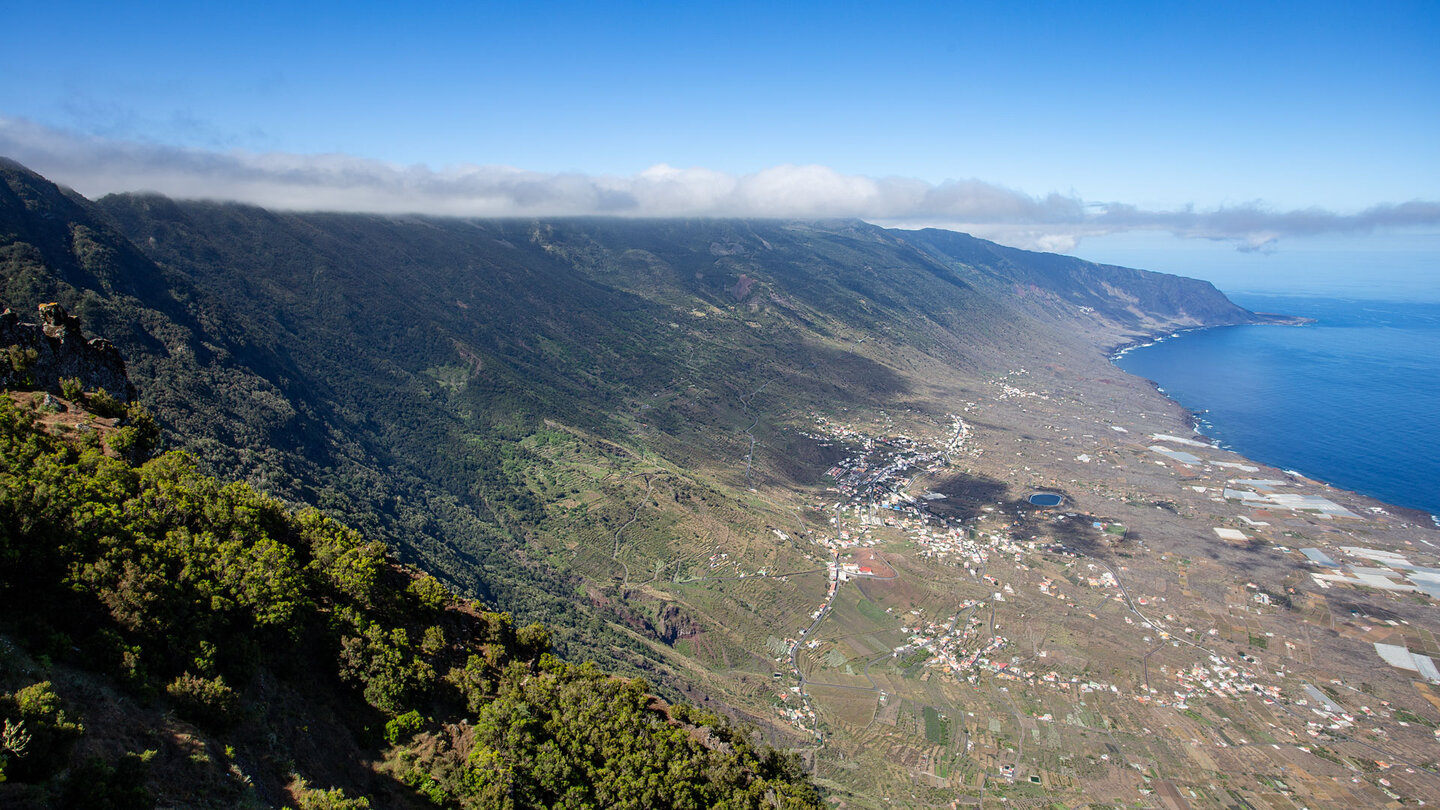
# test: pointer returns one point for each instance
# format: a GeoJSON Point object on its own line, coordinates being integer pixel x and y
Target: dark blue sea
{"type": "Point", "coordinates": [1352, 400]}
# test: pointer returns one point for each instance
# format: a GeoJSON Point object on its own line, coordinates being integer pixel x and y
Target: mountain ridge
{"type": "Point", "coordinates": [660, 437]}
{"type": "Point", "coordinates": [318, 339]}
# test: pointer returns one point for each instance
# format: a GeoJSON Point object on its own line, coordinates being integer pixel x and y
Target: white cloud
{"type": "Point", "coordinates": [96, 166]}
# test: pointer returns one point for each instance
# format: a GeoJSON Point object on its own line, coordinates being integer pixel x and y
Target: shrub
{"type": "Point", "coordinates": [21, 360]}
{"type": "Point", "coordinates": [381, 664]}
{"type": "Point", "coordinates": [45, 737]}
{"type": "Point", "coordinates": [403, 727]}
{"type": "Point", "coordinates": [139, 438]}
{"type": "Point", "coordinates": [433, 641]}
{"type": "Point", "coordinates": [332, 799]}
{"type": "Point", "coordinates": [14, 742]}
{"type": "Point", "coordinates": [207, 701]}
{"type": "Point", "coordinates": [71, 389]}
{"type": "Point", "coordinates": [104, 403]}
{"type": "Point", "coordinates": [429, 592]}
{"type": "Point", "coordinates": [473, 682]}
{"type": "Point", "coordinates": [533, 640]}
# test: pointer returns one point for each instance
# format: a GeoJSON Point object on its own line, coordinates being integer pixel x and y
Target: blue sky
{"type": "Point", "coordinates": [1101, 130]}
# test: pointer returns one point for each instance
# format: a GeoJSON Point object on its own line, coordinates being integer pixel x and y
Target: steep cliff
{"type": "Point", "coordinates": [43, 354]}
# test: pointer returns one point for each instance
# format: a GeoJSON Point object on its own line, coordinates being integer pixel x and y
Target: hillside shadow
{"type": "Point", "coordinates": [830, 371]}
{"type": "Point", "coordinates": [1076, 534]}
{"type": "Point", "coordinates": [860, 371]}
{"type": "Point", "coordinates": [967, 496]}
{"type": "Point", "coordinates": [802, 460]}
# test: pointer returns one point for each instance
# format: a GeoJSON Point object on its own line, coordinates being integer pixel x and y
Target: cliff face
{"type": "Point", "coordinates": [1134, 299]}
{"type": "Point", "coordinates": [40, 355]}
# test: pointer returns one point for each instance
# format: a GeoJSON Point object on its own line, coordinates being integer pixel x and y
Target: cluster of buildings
{"type": "Point", "coordinates": [1008, 391]}
{"type": "Point", "coordinates": [873, 484]}
{"type": "Point", "coordinates": [1217, 678]}
{"type": "Point", "coordinates": [795, 710]}
{"type": "Point", "coordinates": [881, 471]}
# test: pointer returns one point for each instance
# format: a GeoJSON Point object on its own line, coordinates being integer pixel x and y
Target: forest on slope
{"type": "Point", "coordinates": [172, 639]}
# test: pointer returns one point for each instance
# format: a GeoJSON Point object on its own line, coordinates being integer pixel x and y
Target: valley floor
{"type": "Point", "coordinates": [1165, 637]}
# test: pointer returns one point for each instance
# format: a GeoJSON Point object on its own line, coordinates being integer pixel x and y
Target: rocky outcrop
{"type": "Point", "coordinates": [37, 356]}
{"type": "Point", "coordinates": [672, 624]}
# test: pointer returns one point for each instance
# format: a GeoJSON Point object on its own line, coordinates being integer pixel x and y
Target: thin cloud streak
{"type": "Point", "coordinates": [96, 166]}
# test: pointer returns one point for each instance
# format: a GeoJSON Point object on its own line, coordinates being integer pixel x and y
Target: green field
{"type": "Point", "coordinates": [937, 726]}
{"type": "Point", "coordinates": [871, 611]}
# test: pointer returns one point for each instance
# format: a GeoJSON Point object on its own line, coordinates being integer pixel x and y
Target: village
{"type": "Point", "coordinates": [875, 498]}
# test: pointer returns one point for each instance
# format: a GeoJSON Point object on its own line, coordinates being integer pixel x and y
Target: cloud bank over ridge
{"type": "Point", "coordinates": [1056, 222]}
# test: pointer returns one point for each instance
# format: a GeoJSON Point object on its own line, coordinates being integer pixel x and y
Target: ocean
{"type": "Point", "coordinates": [1352, 400]}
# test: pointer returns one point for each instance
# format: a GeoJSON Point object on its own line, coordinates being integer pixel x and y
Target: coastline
{"type": "Point", "coordinates": [1118, 350]}
{"type": "Point", "coordinates": [1198, 424]}
{"type": "Point", "coordinates": [1121, 349]}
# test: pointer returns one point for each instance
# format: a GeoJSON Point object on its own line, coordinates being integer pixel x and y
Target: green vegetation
{"type": "Point", "coordinates": [332, 799]}
{"type": "Point", "coordinates": [187, 590]}
{"type": "Point", "coordinates": [914, 658]}
{"type": "Point", "coordinates": [1328, 755]}
{"type": "Point", "coordinates": [37, 733]}
{"type": "Point", "coordinates": [872, 611]}
{"type": "Point", "coordinates": [1407, 716]}
{"type": "Point", "coordinates": [937, 726]}
{"type": "Point", "coordinates": [574, 737]}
